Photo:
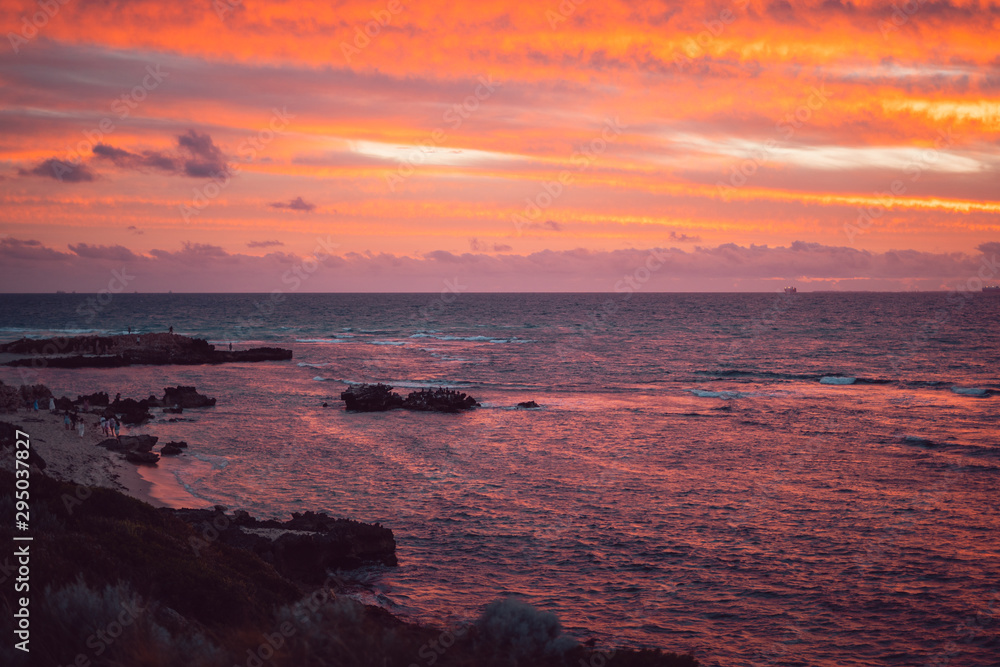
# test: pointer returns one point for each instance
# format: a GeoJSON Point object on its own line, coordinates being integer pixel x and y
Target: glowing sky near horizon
{"type": "Point", "coordinates": [544, 145]}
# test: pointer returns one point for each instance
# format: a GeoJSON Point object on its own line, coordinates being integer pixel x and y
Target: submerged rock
{"type": "Point", "coordinates": [527, 404]}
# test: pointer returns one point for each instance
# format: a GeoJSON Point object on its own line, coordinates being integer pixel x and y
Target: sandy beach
{"type": "Point", "coordinates": [72, 458]}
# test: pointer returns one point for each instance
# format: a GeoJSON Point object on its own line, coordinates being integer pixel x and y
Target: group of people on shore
{"type": "Point", "coordinates": [110, 426]}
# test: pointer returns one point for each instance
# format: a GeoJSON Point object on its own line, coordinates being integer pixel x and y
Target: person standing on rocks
{"type": "Point", "coordinates": [104, 426]}
{"type": "Point", "coordinates": [52, 404]}
{"type": "Point", "coordinates": [80, 427]}
{"type": "Point", "coordinates": [118, 429]}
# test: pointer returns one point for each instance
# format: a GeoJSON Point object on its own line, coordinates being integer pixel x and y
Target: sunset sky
{"type": "Point", "coordinates": [216, 145]}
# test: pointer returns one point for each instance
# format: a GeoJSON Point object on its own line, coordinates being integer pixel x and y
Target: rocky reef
{"type": "Point", "coordinates": [380, 397]}
{"type": "Point", "coordinates": [159, 349]}
{"type": "Point", "coordinates": [303, 548]}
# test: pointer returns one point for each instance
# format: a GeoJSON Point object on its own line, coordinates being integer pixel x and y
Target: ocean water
{"type": "Point", "coordinates": [761, 479]}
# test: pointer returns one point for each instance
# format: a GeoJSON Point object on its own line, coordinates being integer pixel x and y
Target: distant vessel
{"type": "Point", "coordinates": [791, 290]}
{"type": "Point", "coordinates": [992, 288]}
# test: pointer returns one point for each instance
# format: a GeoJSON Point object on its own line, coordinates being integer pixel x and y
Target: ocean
{"type": "Point", "coordinates": [761, 479]}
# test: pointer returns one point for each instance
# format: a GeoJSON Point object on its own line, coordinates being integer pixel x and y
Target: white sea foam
{"type": "Point", "coordinates": [836, 379]}
{"type": "Point", "coordinates": [388, 342]}
{"type": "Point", "coordinates": [717, 394]}
{"type": "Point", "coordinates": [318, 340]}
{"type": "Point", "coordinates": [969, 391]}
{"type": "Point", "coordinates": [472, 339]}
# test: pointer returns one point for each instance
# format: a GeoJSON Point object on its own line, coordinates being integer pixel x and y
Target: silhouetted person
{"type": "Point", "coordinates": [171, 330]}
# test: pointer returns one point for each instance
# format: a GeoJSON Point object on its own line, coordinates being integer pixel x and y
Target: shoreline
{"type": "Point", "coordinates": [70, 458]}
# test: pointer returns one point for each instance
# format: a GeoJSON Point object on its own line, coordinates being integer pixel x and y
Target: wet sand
{"type": "Point", "coordinates": [71, 458]}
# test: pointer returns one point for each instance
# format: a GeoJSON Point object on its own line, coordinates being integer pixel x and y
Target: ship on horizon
{"type": "Point", "coordinates": [991, 288]}
{"type": "Point", "coordinates": [791, 290]}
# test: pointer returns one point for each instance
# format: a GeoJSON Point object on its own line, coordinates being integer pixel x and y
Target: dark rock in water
{"type": "Point", "coordinates": [371, 398]}
{"type": "Point", "coordinates": [142, 457]}
{"type": "Point", "coordinates": [439, 400]}
{"type": "Point", "coordinates": [181, 443]}
{"type": "Point", "coordinates": [380, 397]}
{"type": "Point", "coordinates": [139, 443]}
{"type": "Point", "coordinates": [185, 397]}
{"type": "Point", "coordinates": [918, 441]}
{"type": "Point", "coordinates": [170, 449]}
{"type": "Point", "coordinates": [303, 548]}
{"type": "Point", "coordinates": [255, 354]}
{"type": "Point", "coordinates": [527, 404]}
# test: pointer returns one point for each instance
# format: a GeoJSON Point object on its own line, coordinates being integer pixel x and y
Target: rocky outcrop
{"type": "Point", "coordinates": [130, 410]}
{"type": "Point", "coordinates": [112, 444]}
{"type": "Point", "coordinates": [303, 548]}
{"type": "Point", "coordinates": [139, 443]}
{"type": "Point", "coordinates": [380, 397]}
{"type": "Point", "coordinates": [117, 351]}
{"type": "Point", "coordinates": [371, 398]}
{"type": "Point", "coordinates": [527, 405]}
{"type": "Point", "coordinates": [439, 400]}
{"type": "Point", "coordinates": [172, 448]}
{"type": "Point", "coordinates": [148, 458]}
{"type": "Point", "coordinates": [185, 397]}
